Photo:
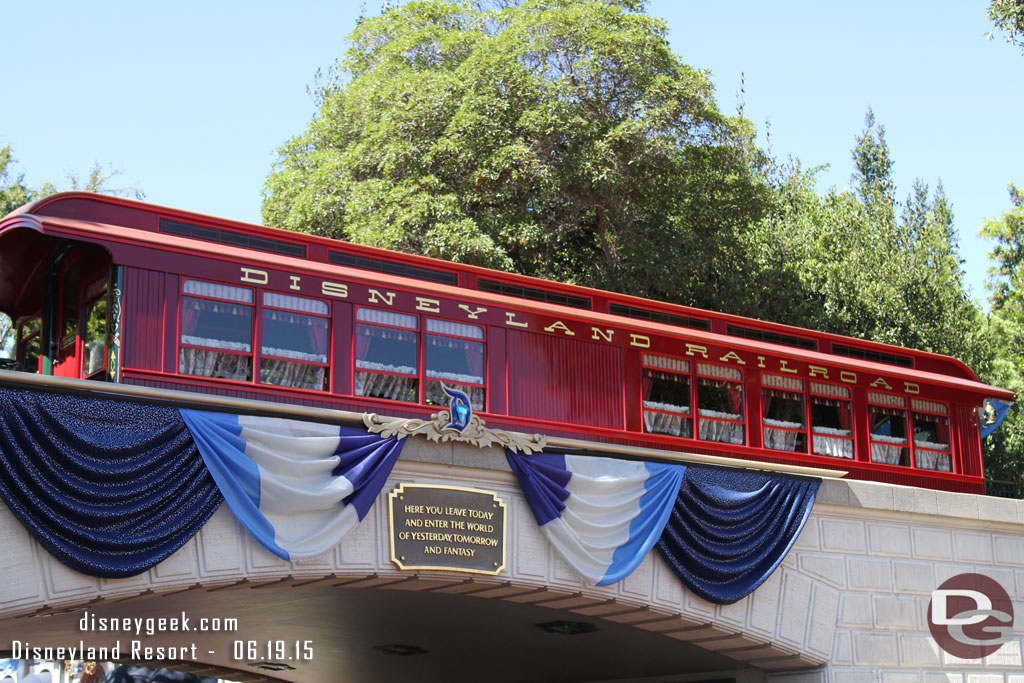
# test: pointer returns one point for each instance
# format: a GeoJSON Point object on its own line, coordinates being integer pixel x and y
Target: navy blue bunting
{"type": "Point", "coordinates": [730, 529]}
{"type": "Point", "coordinates": [110, 488]}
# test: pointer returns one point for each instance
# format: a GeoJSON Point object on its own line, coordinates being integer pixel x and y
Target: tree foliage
{"type": "Point", "coordinates": [14, 192]}
{"type": "Point", "coordinates": [1006, 283]}
{"type": "Point", "coordinates": [555, 138]}
{"type": "Point", "coordinates": [1008, 16]}
{"type": "Point", "coordinates": [859, 263]}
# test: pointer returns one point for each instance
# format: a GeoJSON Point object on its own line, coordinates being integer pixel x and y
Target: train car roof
{"type": "Point", "coordinates": [124, 220]}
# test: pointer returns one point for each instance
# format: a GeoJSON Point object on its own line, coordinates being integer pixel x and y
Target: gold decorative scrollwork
{"type": "Point", "coordinates": [475, 433]}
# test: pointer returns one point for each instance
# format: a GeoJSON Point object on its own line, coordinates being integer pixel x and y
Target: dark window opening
{"type": "Point", "coordinates": [877, 356]}
{"type": "Point", "coordinates": [391, 268]}
{"type": "Point", "coordinates": [659, 317]}
{"type": "Point", "coordinates": [235, 239]}
{"type": "Point", "coordinates": [533, 294]}
{"type": "Point", "coordinates": [771, 337]}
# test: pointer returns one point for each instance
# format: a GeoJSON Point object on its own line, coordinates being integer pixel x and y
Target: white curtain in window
{"type": "Point", "coordinates": [455, 329]}
{"type": "Point", "coordinates": [295, 303]}
{"type": "Point", "coordinates": [666, 363]}
{"type": "Point", "coordinates": [454, 376]}
{"type": "Point", "coordinates": [781, 439]}
{"type": "Point", "coordinates": [281, 373]}
{"type": "Point", "coordinates": [714, 430]}
{"type": "Point", "coordinates": [825, 442]}
{"type": "Point", "coordinates": [719, 371]}
{"type": "Point", "coordinates": [663, 423]}
{"type": "Point", "coordinates": [391, 387]}
{"type": "Point", "coordinates": [930, 460]}
{"type": "Point", "coordinates": [373, 315]}
{"type": "Point", "coordinates": [216, 343]}
{"type": "Point", "coordinates": [204, 363]}
{"type": "Point", "coordinates": [218, 291]}
{"type": "Point", "coordinates": [655, 405]}
{"type": "Point", "coordinates": [884, 452]}
{"type": "Point", "coordinates": [790, 383]}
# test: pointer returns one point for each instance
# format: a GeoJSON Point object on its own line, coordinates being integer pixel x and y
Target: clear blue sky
{"type": "Point", "coordinates": [191, 99]}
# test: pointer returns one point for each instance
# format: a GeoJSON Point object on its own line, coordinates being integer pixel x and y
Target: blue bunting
{"type": "Point", "coordinates": [110, 488]}
{"type": "Point", "coordinates": [730, 529]}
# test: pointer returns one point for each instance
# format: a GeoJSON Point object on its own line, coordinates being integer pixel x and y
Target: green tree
{"type": "Point", "coordinates": [14, 193]}
{"type": "Point", "coordinates": [854, 262]}
{"type": "Point", "coordinates": [555, 138]}
{"type": "Point", "coordinates": [1005, 282]}
{"type": "Point", "coordinates": [1008, 16]}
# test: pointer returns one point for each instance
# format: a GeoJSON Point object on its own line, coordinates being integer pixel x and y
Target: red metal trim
{"type": "Point", "coordinates": [223, 252]}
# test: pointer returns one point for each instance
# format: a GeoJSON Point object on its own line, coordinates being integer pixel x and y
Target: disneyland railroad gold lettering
{"type": "Point", "coordinates": [256, 277]}
{"type": "Point", "coordinates": [564, 328]}
{"type": "Point", "coordinates": [334, 289]}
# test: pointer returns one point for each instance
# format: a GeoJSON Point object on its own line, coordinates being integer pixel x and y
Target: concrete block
{"type": "Point", "coordinates": [993, 509]}
{"type": "Point", "coordinates": [900, 677]}
{"type": "Point", "coordinates": [867, 494]}
{"type": "Point", "coordinates": [919, 651]}
{"type": "Point", "coordinates": [842, 649]}
{"type": "Point", "coordinates": [896, 613]}
{"type": "Point", "coordinates": [865, 574]}
{"type": "Point", "coordinates": [914, 577]}
{"type": "Point", "coordinates": [827, 568]}
{"type": "Point", "coordinates": [1009, 550]}
{"type": "Point", "coordinates": [932, 543]}
{"type": "Point", "coordinates": [1006, 657]}
{"type": "Point", "coordinates": [957, 504]}
{"type": "Point", "coordinates": [875, 649]}
{"type": "Point", "coordinates": [796, 596]}
{"type": "Point", "coordinates": [854, 676]}
{"type": "Point", "coordinates": [916, 501]}
{"type": "Point", "coordinates": [808, 538]}
{"type": "Point", "coordinates": [855, 611]}
{"type": "Point", "coordinates": [467, 455]}
{"type": "Point", "coordinates": [764, 605]}
{"type": "Point", "coordinates": [931, 677]}
{"type": "Point", "coordinates": [833, 492]}
{"type": "Point", "coordinates": [985, 678]}
{"type": "Point", "coordinates": [842, 535]}
{"type": "Point", "coordinates": [892, 540]}
{"type": "Point", "coordinates": [974, 547]}
{"type": "Point", "coordinates": [824, 613]}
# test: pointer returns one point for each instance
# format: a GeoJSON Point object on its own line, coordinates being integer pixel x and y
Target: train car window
{"type": "Point", "coordinates": [29, 346]}
{"type": "Point", "coordinates": [667, 395]}
{"type": "Point", "coordinates": [888, 419]}
{"type": "Point", "coordinates": [931, 435]}
{"type": "Point", "coordinates": [831, 420]}
{"type": "Point", "coordinates": [785, 413]}
{"type": "Point", "coordinates": [720, 404]}
{"type": "Point", "coordinates": [386, 355]}
{"type": "Point", "coordinates": [94, 332]}
{"type": "Point", "coordinates": [454, 354]}
{"type": "Point", "coordinates": [293, 342]}
{"type": "Point", "coordinates": [216, 331]}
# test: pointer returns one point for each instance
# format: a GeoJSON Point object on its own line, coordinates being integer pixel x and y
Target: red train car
{"type": "Point", "coordinates": [115, 290]}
